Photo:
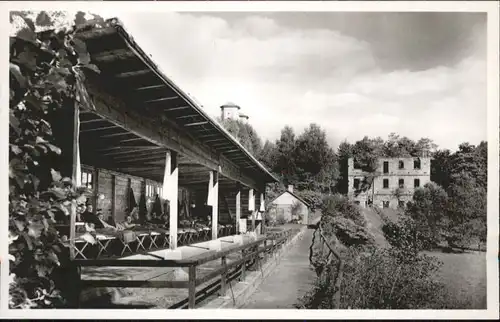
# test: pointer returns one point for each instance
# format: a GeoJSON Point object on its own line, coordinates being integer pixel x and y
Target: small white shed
{"type": "Point", "coordinates": [290, 207]}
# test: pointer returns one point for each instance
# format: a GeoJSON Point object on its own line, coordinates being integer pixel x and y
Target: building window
{"type": "Point", "coordinates": [416, 183]}
{"type": "Point", "coordinates": [401, 204]}
{"type": "Point", "coordinates": [386, 183]}
{"type": "Point", "coordinates": [385, 204]}
{"type": "Point", "coordinates": [87, 179]}
{"type": "Point", "coordinates": [386, 166]}
{"type": "Point", "coordinates": [356, 184]}
{"type": "Point", "coordinates": [401, 164]}
{"type": "Point", "coordinates": [356, 164]}
{"type": "Point", "coordinates": [416, 164]}
{"type": "Point", "coordinates": [401, 183]}
{"type": "Point", "coordinates": [357, 202]}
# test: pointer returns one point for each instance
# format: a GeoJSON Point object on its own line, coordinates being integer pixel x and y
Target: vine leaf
{"type": "Point", "coordinates": [43, 19]}
{"type": "Point", "coordinates": [56, 176]}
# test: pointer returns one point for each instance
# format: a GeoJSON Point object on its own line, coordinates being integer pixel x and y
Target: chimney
{"type": "Point", "coordinates": [290, 188]}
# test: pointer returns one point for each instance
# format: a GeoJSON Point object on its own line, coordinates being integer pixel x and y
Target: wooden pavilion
{"type": "Point", "coordinates": [139, 131]}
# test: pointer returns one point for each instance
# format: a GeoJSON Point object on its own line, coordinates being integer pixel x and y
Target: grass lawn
{"type": "Point", "coordinates": [465, 278]}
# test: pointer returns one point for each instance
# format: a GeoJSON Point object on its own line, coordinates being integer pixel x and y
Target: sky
{"type": "Point", "coordinates": [354, 74]}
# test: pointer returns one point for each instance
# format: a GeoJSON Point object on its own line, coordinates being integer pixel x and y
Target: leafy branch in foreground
{"type": "Point", "coordinates": [46, 76]}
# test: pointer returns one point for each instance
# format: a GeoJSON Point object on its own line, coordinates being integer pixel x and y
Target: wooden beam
{"type": "Point", "coordinates": [170, 193]}
{"type": "Point", "coordinates": [112, 55]}
{"type": "Point", "coordinates": [209, 136]}
{"type": "Point", "coordinates": [231, 151]}
{"type": "Point", "coordinates": [115, 134]}
{"type": "Point", "coordinates": [196, 123]}
{"type": "Point", "coordinates": [129, 150]}
{"type": "Point", "coordinates": [262, 207]}
{"type": "Point", "coordinates": [213, 192]}
{"type": "Point", "coordinates": [186, 116]}
{"type": "Point", "coordinates": [131, 139]}
{"type": "Point", "coordinates": [140, 169]}
{"type": "Point", "coordinates": [75, 175]}
{"type": "Point", "coordinates": [96, 32]}
{"type": "Point", "coordinates": [142, 154]}
{"type": "Point", "coordinates": [113, 197]}
{"type": "Point", "coordinates": [122, 147]}
{"type": "Point", "coordinates": [138, 159]}
{"type": "Point", "coordinates": [238, 207]}
{"type": "Point", "coordinates": [149, 87]}
{"type": "Point", "coordinates": [169, 135]}
{"type": "Point", "coordinates": [161, 99]}
{"type": "Point", "coordinates": [99, 128]}
{"type": "Point", "coordinates": [92, 121]}
{"type": "Point", "coordinates": [214, 140]}
{"type": "Point", "coordinates": [132, 73]}
{"type": "Point", "coordinates": [96, 188]}
{"type": "Point", "coordinates": [251, 200]}
{"type": "Point", "coordinates": [177, 108]}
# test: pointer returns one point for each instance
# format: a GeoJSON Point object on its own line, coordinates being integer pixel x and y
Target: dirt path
{"type": "Point", "coordinates": [374, 225]}
{"type": "Point", "coordinates": [290, 280]}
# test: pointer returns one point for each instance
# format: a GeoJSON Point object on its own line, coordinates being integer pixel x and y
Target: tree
{"type": "Point", "coordinates": [46, 76]}
{"type": "Point", "coordinates": [466, 210]}
{"type": "Point", "coordinates": [424, 146]}
{"type": "Point", "coordinates": [315, 160]}
{"type": "Point", "coordinates": [244, 133]}
{"type": "Point", "coordinates": [366, 153]}
{"type": "Point", "coordinates": [268, 154]}
{"type": "Point", "coordinates": [344, 152]}
{"type": "Point", "coordinates": [441, 168]}
{"type": "Point", "coordinates": [428, 210]}
{"type": "Point", "coordinates": [285, 164]}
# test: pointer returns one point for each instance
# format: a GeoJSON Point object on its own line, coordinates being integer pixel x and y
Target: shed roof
{"type": "Point", "coordinates": [138, 79]}
{"type": "Point", "coordinates": [294, 195]}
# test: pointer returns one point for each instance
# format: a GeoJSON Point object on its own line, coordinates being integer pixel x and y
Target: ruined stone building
{"type": "Point", "coordinates": [392, 184]}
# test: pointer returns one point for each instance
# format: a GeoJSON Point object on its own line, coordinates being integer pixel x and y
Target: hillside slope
{"type": "Point", "coordinates": [374, 223]}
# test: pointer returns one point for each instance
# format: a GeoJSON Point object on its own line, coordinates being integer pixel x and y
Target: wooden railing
{"type": "Point", "coordinates": [340, 266]}
{"type": "Point", "coordinates": [225, 273]}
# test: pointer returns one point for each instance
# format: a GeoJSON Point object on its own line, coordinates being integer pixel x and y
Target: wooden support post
{"type": "Point", "coordinates": [95, 182]}
{"type": "Point", "coordinates": [192, 287]}
{"type": "Point", "coordinates": [113, 197]}
{"type": "Point", "coordinates": [262, 210]}
{"type": "Point", "coordinates": [238, 207]}
{"type": "Point", "coordinates": [75, 175]}
{"type": "Point", "coordinates": [251, 206]}
{"type": "Point", "coordinates": [223, 277]}
{"type": "Point", "coordinates": [243, 266]}
{"type": "Point", "coordinates": [170, 192]}
{"type": "Point", "coordinates": [213, 195]}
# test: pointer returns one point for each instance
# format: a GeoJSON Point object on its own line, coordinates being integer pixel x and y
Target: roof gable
{"type": "Point", "coordinates": [292, 194]}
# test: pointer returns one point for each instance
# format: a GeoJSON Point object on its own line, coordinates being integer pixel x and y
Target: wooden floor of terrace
{"type": "Point", "coordinates": [165, 287]}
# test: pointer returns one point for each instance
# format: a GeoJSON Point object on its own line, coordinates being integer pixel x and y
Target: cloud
{"type": "Point", "coordinates": [355, 75]}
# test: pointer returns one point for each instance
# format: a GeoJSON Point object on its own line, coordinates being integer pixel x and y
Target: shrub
{"type": "Point", "coordinates": [313, 198]}
{"type": "Point", "coordinates": [405, 234]}
{"type": "Point", "coordinates": [340, 206]}
{"type": "Point", "coordinates": [295, 210]}
{"type": "Point", "coordinates": [280, 219]}
{"type": "Point", "coordinates": [347, 231]}
{"type": "Point", "coordinates": [379, 279]}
